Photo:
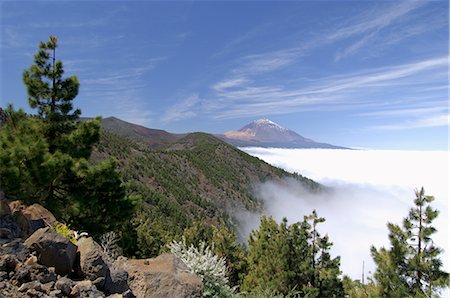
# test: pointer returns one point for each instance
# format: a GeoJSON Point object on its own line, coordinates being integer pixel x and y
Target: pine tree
{"type": "Point", "coordinates": [51, 94]}
{"type": "Point", "coordinates": [44, 158]}
{"type": "Point", "coordinates": [268, 262]}
{"type": "Point", "coordinates": [324, 277]}
{"type": "Point", "coordinates": [411, 267]}
{"type": "Point", "coordinates": [285, 258]}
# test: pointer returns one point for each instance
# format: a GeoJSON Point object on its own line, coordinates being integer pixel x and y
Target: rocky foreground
{"type": "Point", "coordinates": [36, 261]}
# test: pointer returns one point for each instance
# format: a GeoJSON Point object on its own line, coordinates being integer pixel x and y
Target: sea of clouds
{"type": "Point", "coordinates": [368, 188]}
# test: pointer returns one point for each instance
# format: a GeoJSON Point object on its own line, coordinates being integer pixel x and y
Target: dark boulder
{"type": "Point", "coordinates": [52, 250]}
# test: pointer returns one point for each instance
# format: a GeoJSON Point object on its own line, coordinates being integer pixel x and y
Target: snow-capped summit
{"type": "Point", "coordinates": [266, 133]}
{"type": "Point", "coordinates": [265, 130]}
{"type": "Point", "coordinates": [267, 123]}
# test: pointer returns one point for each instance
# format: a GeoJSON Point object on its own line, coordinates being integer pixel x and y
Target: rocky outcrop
{"type": "Point", "coordinates": [52, 250]}
{"type": "Point", "coordinates": [47, 264]}
{"type": "Point", "coordinates": [94, 267]}
{"type": "Point", "coordinates": [164, 276]}
{"type": "Point", "coordinates": [92, 261]}
{"type": "Point", "coordinates": [31, 218]}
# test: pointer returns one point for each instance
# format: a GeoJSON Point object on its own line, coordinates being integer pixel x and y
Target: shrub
{"type": "Point", "coordinates": [65, 231]}
{"type": "Point", "coordinates": [209, 267]}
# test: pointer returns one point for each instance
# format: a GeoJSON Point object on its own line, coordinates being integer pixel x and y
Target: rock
{"type": "Point", "coordinates": [15, 247]}
{"type": "Point", "coordinates": [65, 285]}
{"type": "Point", "coordinates": [4, 208]}
{"type": "Point", "coordinates": [35, 293]}
{"type": "Point", "coordinates": [8, 263]}
{"type": "Point", "coordinates": [47, 287]}
{"type": "Point", "coordinates": [3, 275]}
{"type": "Point", "coordinates": [115, 296]}
{"type": "Point", "coordinates": [31, 260]}
{"type": "Point", "coordinates": [53, 250]}
{"type": "Point", "coordinates": [164, 276]}
{"type": "Point", "coordinates": [86, 288]}
{"type": "Point", "coordinates": [22, 274]}
{"type": "Point", "coordinates": [31, 218]}
{"type": "Point", "coordinates": [92, 261]}
{"type": "Point", "coordinates": [116, 281]}
{"type": "Point", "coordinates": [55, 293]}
{"type": "Point", "coordinates": [42, 273]}
{"type": "Point", "coordinates": [31, 285]}
{"type": "Point", "coordinates": [128, 294]}
{"type": "Point", "coordinates": [9, 228]}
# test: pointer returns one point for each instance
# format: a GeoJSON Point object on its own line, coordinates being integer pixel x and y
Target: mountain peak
{"type": "Point", "coordinates": [266, 133]}
{"type": "Point", "coordinates": [264, 122]}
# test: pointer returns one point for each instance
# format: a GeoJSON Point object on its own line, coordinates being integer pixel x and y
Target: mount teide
{"type": "Point", "coordinates": [265, 133]}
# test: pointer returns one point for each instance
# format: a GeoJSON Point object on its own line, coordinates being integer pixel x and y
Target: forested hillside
{"type": "Point", "coordinates": [195, 178]}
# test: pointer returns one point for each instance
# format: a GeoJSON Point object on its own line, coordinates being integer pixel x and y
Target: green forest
{"type": "Point", "coordinates": [182, 197]}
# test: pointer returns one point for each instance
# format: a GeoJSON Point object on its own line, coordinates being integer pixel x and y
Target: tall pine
{"type": "Point", "coordinates": [412, 265]}
{"type": "Point", "coordinates": [283, 258]}
{"type": "Point", "coordinates": [45, 158]}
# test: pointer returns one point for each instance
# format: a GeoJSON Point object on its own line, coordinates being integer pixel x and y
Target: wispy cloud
{"type": "Point", "coordinates": [335, 92]}
{"type": "Point", "coordinates": [376, 19]}
{"type": "Point", "coordinates": [119, 90]}
{"type": "Point", "coordinates": [229, 83]}
{"type": "Point", "coordinates": [185, 109]}
{"type": "Point", "coordinates": [421, 122]}
{"type": "Point", "coordinates": [378, 30]}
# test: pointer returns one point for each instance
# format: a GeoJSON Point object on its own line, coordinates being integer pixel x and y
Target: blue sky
{"type": "Point", "coordinates": [370, 74]}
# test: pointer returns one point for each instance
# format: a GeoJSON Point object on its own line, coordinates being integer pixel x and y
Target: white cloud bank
{"type": "Point", "coordinates": [370, 188]}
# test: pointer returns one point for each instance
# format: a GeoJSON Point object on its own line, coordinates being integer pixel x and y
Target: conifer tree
{"type": "Point", "coordinates": [268, 261]}
{"type": "Point", "coordinates": [51, 94]}
{"type": "Point", "coordinates": [283, 258]}
{"type": "Point", "coordinates": [411, 267]}
{"type": "Point", "coordinates": [44, 158]}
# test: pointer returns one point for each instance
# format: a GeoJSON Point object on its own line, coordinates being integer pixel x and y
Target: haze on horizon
{"type": "Point", "coordinates": [356, 74]}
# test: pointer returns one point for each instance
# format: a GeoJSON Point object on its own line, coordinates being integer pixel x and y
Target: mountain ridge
{"type": "Point", "coordinates": [259, 133]}
{"type": "Point", "coordinates": [266, 133]}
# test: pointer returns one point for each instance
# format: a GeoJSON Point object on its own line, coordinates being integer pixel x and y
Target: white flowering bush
{"type": "Point", "coordinates": [205, 264]}
{"type": "Point", "coordinates": [110, 247]}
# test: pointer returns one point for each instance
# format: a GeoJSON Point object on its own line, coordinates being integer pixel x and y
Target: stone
{"type": "Point", "coordinates": [42, 273]}
{"type": "Point", "coordinates": [21, 275]}
{"type": "Point", "coordinates": [31, 285]}
{"type": "Point", "coordinates": [52, 250]}
{"type": "Point", "coordinates": [31, 218]}
{"type": "Point", "coordinates": [4, 208]}
{"type": "Point", "coordinates": [3, 275]}
{"type": "Point", "coordinates": [15, 247]}
{"type": "Point", "coordinates": [31, 260]}
{"type": "Point", "coordinates": [163, 276]}
{"type": "Point", "coordinates": [116, 281]}
{"type": "Point", "coordinates": [8, 227]}
{"type": "Point", "coordinates": [65, 285]}
{"type": "Point", "coordinates": [33, 293]}
{"type": "Point", "coordinates": [128, 294]}
{"type": "Point", "coordinates": [92, 261]}
{"type": "Point", "coordinates": [8, 263]}
{"type": "Point", "coordinates": [85, 288]}
{"type": "Point", "coordinates": [47, 287]}
{"type": "Point", "coordinates": [56, 293]}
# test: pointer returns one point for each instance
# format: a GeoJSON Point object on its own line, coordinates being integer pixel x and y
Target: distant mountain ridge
{"type": "Point", "coordinates": [185, 178]}
{"type": "Point", "coordinates": [154, 138]}
{"type": "Point", "coordinates": [266, 133]}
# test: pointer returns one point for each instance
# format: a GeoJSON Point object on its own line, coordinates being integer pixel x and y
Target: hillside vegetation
{"type": "Point", "coordinates": [195, 178]}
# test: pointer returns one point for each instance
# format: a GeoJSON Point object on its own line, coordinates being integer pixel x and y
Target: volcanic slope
{"type": "Point", "coordinates": [196, 177]}
{"type": "Point", "coordinates": [266, 133]}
